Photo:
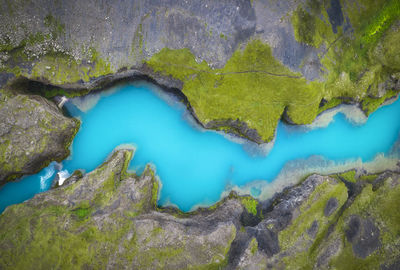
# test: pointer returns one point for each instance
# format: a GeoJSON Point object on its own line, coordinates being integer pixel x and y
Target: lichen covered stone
{"type": "Point", "coordinates": [33, 132]}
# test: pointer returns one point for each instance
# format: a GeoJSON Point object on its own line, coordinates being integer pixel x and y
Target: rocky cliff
{"type": "Point", "coordinates": [109, 219]}
{"type": "Point", "coordinates": [240, 66]}
{"type": "Point", "coordinates": [246, 62]}
{"type": "Point", "coordinates": [33, 132]}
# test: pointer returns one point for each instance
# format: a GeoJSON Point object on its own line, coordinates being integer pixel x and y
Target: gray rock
{"type": "Point", "coordinates": [335, 15]}
{"type": "Point", "coordinates": [114, 213]}
{"type": "Point", "coordinates": [33, 132]}
{"type": "Point", "coordinates": [363, 235]}
{"type": "Point", "coordinates": [330, 251]}
{"type": "Point", "coordinates": [313, 230]}
{"type": "Point", "coordinates": [127, 32]}
{"type": "Point", "coordinates": [121, 207]}
{"type": "Point", "coordinates": [331, 206]}
{"type": "Point", "coordinates": [391, 266]}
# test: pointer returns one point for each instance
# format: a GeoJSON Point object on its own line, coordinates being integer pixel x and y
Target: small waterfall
{"type": "Point", "coordinates": [60, 101]}
{"type": "Point", "coordinates": [62, 176]}
{"type": "Point", "coordinates": [48, 173]}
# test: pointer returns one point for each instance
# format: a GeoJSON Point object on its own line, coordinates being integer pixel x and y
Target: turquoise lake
{"type": "Point", "coordinates": [195, 166]}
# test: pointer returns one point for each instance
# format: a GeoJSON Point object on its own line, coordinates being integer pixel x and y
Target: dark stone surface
{"type": "Point", "coordinates": [363, 235]}
{"type": "Point", "coordinates": [238, 246]}
{"type": "Point", "coordinates": [330, 207]}
{"type": "Point", "coordinates": [127, 32]}
{"type": "Point", "coordinates": [248, 219]}
{"type": "Point", "coordinates": [329, 252]}
{"type": "Point", "coordinates": [5, 77]}
{"type": "Point", "coordinates": [24, 134]}
{"type": "Point", "coordinates": [237, 128]}
{"type": "Point", "coordinates": [313, 230]}
{"type": "Point", "coordinates": [117, 28]}
{"type": "Point", "coordinates": [335, 15]}
{"type": "Point", "coordinates": [391, 266]}
{"type": "Point", "coordinates": [267, 241]}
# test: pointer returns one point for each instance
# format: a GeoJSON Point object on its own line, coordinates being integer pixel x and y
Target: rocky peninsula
{"type": "Point", "coordinates": [240, 66]}
{"type": "Point", "coordinates": [33, 132]}
{"type": "Point", "coordinates": [108, 219]}
{"type": "Point", "coordinates": [256, 61]}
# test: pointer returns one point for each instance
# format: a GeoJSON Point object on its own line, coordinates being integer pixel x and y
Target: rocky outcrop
{"type": "Point", "coordinates": [306, 55]}
{"type": "Point", "coordinates": [109, 219]}
{"type": "Point", "coordinates": [33, 132]}
{"type": "Point", "coordinates": [239, 66]}
{"type": "Point", "coordinates": [320, 224]}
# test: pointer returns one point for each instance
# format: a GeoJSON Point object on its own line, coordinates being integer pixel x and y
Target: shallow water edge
{"type": "Point", "coordinates": [290, 174]}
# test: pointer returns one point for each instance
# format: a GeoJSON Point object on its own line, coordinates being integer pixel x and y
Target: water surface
{"type": "Point", "coordinates": [195, 166]}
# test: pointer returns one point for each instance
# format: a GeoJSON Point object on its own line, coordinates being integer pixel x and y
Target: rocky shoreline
{"type": "Point", "coordinates": [257, 62]}
{"type": "Point", "coordinates": [42, 48]}
{"type": "Point", "coordinates": [33, 132]}
{"type": "Point", "coordinates": [169, 85]}
{"type": "Point", "coordinates": [322, 222]}
{"type": "Point", "coordinates": [255, 235]}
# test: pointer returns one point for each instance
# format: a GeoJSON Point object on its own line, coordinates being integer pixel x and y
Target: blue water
{"type": "Point", "coordinates": [195, 166]}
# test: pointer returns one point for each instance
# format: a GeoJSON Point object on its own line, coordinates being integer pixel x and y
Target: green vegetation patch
{"type": "Point", "coordinates": [82, 213]}
{"type": "Point", "coordinates": [55, 25]}
{"type": "Point", "coordinates": [155, 192]}
{"type": "Point", "coordinates": [256, 89]}
{"type": "Point", "coordinates": [334, 102]}
{"type": "Point", "coordinates": [253, 246]}
{"type": "Point", "coordinates": [371, 104]}
{"type": "Point", "coordinates": [381, 206]}
{"type": "Point", "coordinates": [250, 204]}
{"type": "Point", "coordinates": [381, 21]}
{"type": "Point", "coordinates": [357, 59]}
{"type": "Point", "coordinates": [252, 87]}
{"type": "Point", "coordinates": [310, 24]}
{"type": "Point", "coordinates": [349, 176]}
{"type": "Point", "coordinates": [295, 237]}
{"type": "Point", "coordinates": [60, 68]}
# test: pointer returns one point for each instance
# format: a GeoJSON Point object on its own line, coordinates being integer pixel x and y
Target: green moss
{"type": "Point", "coordinates": [82, 213]}
{"type": "Point", "coordinates": [253, 246]}
{"type": "Point", "coordinates": [329, 105]}
{"type": "Point", "coordinates": [252, 87]}
{"type": "Point", "coordinates": [127, 159]}
{"type": "Point", "coordinates": [54, 25]}
{"type": "Point", "coordinates": [371, 104]}
{"type": "Point", "coordinates": [250, 204]}
{"type": "Point", "coordinates": [59, 68]}
{"type": "Point", "coordinates": [101, 66]}
{"type": "Point", "coordinates": [154, 192]}
{"type": "Point", "coordinates": [349, 176]}
{"type": "Point", "coordinates": [36, 38]}
{"type": "Point", "coordinates": [382, 207]}
{"type": "Point", "coordinates": [106, 192]}
{"type": "Point", "coordinates": [304, 30]}
{"type": "Point", "coordinates": [308, 26]}
{"type": "Point", "coordinates": [255, 88]}
{"type": "Point", "coordinates": [381, 21]}
{"type": "Point", "coordinates": [4, 162]}
{"type": "Point", "coordinates": [369, 177]}
{"type": "Point", "coordinates": [353, 64]}
{"type": "Point", "coordinates": [156, 258]}
{"type": "Point", "coordinates": [295, 236]}
{"type": "Point", "coordinates": [386, 51]}
{"type": "Point", "coordinates": [137, 44]}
